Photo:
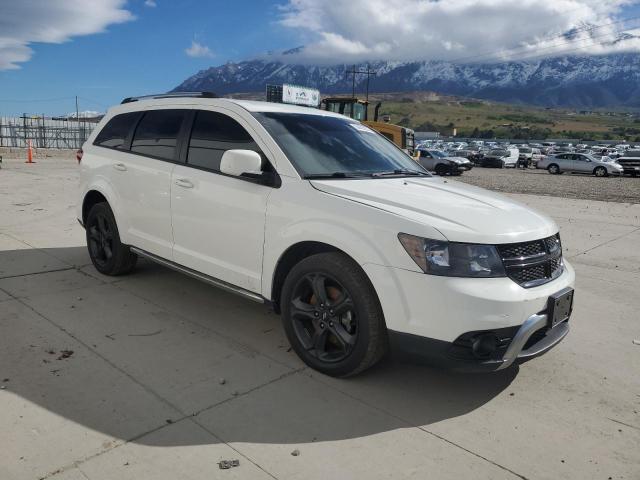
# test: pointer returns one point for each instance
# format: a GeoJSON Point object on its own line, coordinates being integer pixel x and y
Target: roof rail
{"type": "Point", "coordinates": [171, 95]}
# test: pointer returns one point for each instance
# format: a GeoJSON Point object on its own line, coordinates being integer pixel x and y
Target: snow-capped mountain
{"type": "Point", "coordinates": [572, 81]}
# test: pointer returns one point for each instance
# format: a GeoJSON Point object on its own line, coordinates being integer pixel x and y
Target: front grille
{"type": "Point", "coordinates": [530, 264]}
{"type": "Point", "coordinates": [631, 162]}
{"type": "Point", "coordinates": [630, 165]}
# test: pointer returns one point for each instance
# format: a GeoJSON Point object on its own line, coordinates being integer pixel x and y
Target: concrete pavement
{"type": "Point", "coordinates": [168, 376]}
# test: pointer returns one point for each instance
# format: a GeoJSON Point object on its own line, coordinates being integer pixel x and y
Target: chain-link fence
{"type": "Point", "coordinates": [44, 132]}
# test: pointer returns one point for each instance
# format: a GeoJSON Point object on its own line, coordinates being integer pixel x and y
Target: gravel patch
{"type": "Point", "coordinates": [540, 182]}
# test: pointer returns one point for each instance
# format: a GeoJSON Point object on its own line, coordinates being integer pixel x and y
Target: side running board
{"type": "Point", "coordinates": [200, 276]}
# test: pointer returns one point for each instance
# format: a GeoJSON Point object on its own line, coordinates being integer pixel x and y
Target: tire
{"type": "Point", "coordinates": [553, 169]}
{"type": "Point", "coordinates": [336, 344]}
{"type": "Point", "coordinates": [441, 170]}
{"type": "Point", "coordinates": [108, 254]}
{"type": "Point", "coordinates": [600, 172]}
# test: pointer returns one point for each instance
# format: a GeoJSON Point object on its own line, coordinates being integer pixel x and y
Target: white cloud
{"type": "Point", "coordinates": [43, 21]}
{"type": "Point", "coordinates": [197, 50]}
{"type": "Point", "coordinates": [460, 30]}
{"type": "Point", "coordinates": [150, 3]}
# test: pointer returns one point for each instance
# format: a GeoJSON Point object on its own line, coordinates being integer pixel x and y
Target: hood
{"type": "Point", "coordinates": [460, 212]}
{"type": "Point", "coordinates": [458, 159]}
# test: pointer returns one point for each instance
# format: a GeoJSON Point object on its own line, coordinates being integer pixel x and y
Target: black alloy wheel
{"type": "Point", "coordinates": [324, 317]}
{"type": "Point", "coordinates": [108, 254]}
{"type": "Point", "coordinates": [332, 315]}
{"type": "Point", "coordinates": [100, 238]}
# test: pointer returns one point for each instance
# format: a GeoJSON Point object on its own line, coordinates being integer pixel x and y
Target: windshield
{"type": "Point", "coordinates": [437, 154]}
{"type": "Point", "coordinates": [323, 145]}
{"type": "Point", "coordinates": [525, 150]}
{"type": "Point", "coordinates": [499, 153]}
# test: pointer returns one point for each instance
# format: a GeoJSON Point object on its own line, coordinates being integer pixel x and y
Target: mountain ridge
{"type": "Point", "coordinates": [569, 81]}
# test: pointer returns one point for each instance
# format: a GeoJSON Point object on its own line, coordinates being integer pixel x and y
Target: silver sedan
{"type": "Point", "coordinates": [580, 163]}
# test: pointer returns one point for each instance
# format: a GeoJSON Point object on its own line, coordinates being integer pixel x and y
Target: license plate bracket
{"type": "Point", "coordinates": [560, 306]}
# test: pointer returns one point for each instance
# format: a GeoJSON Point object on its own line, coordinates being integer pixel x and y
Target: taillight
{"type": "Point", "coordinates": [79, 155]}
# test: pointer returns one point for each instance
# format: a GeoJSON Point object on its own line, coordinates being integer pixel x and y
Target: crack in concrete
{"type": "Point", "coordinates": [573, 257]}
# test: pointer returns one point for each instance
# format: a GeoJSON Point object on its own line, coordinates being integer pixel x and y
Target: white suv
{"type": "Point", "coordinates": [329, 223]}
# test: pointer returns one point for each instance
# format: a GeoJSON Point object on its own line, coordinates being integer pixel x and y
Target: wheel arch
{"type": "Point", "coordinates": [291, 257]}
{"type": "Point", "coordinates": [101, 192]}
{"type": "Point", "coordinates": [91, 198]}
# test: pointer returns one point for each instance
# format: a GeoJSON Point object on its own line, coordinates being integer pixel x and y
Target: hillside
{"type": "Point", "coordinates": [430, 111]}
{"type": "Point", "coordinates": [481, 118]}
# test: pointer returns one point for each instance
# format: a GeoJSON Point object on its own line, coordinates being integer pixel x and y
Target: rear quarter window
{"type": "Point", "coordinates": [114, 134]}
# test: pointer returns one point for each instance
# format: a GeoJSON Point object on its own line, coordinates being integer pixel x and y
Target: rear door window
{"type": "Point", "coordinates": [157, 134]}
{"type": "Point", "coordinates": [115, 132]}
{"type": "Point", "coordinates": [213, 134]}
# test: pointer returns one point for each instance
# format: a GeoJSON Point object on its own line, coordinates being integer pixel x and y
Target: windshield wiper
{"type": "Point", "coordinates": [317, 176]}
{"type": "Point", "coordinates": [399, 172]}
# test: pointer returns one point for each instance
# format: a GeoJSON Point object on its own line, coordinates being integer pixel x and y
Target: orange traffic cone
{"type": "Point", "coordinates": [29, 154]}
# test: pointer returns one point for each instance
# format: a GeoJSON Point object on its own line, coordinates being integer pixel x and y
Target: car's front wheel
{"type": "Point", "coordinates": [332, 316]}
{"type": "Point", "coordinates": [107, 253]}
{"type": "Point", "coordinates": [553, 169]}
{"type": "Point", "coordinates": [442, 170]}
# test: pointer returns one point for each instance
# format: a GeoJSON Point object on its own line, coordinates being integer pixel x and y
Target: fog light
{"type": "Point", "coordinates": [484, 345]}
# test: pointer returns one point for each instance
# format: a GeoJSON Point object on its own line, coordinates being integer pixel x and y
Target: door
{"type": "Point", "coordinates": [564, 161]}
{"type": "Point", "coordinates": [582, 163]}
{"type": "Point", "coordinates": [218, 220]}
{"type": "Point", "coordinates": [143, 180]}
{"type": "Point", "coordinates": [426, 160]}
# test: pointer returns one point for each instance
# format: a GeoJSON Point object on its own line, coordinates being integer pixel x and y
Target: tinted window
{"type": "Point", "coordinates": [213, 134]}
{"type": "Point", "coordinates": [115, 132]}
{"type": "Point", "coordinates": [157, 133]}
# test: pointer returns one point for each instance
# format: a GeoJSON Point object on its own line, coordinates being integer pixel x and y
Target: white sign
{"type": "Point", "coordinates": [300, 95]}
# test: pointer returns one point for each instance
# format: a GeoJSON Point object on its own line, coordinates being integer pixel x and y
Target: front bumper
{"type": "Point", "coordinates": [532, 339]}
{"type": "Point", "coordinates": [430, 317]}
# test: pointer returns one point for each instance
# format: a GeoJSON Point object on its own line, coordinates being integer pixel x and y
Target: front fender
{"type": "Point", "coordinates": [299, 213]}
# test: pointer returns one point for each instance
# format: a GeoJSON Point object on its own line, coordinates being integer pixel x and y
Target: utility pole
{"type": "Point", "coordinates": [78, 120]}
{"type": "Point", "coordinates": [368, 72]}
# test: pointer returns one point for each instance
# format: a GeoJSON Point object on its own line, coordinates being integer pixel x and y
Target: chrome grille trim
{"type": "Point", "coordinates": [533, 263]}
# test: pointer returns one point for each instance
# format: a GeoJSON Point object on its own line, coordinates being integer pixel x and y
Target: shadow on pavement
{"type": "Point", "coordinates": [125, 384]}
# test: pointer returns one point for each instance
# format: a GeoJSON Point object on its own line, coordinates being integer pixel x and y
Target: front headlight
{"type": "Point", "coordinates": [453, 259]}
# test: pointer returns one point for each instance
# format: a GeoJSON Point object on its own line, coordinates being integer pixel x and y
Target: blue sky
{"type": "Point", "coordinates": [144, 55]}
{"type": "Point", "coordinates": [105, 50]}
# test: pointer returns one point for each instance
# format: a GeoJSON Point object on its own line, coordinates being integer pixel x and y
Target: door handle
{"type": "Point", "coordinates": [184, 183]}
{"type": "Point", "coordinates": [120, 166]}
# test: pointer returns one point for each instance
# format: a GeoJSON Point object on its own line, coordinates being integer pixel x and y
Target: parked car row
{"type": "Point", "coordinates": [599, 160]}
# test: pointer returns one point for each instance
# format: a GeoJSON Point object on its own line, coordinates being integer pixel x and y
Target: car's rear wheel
{"type": "Point", "coordinates": [600, 172]}
{"type": "Point", "coordinates": [107, 253]}
{"type": "Point", "coordinates": [553, 169]}
{"type": "Point", "coordinates": [332, 316]}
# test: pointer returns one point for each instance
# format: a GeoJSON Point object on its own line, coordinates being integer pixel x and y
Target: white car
{"type": "Point", "coordinates": [581, 163]}
{"type": "Point", "coordinates": [321, 218]}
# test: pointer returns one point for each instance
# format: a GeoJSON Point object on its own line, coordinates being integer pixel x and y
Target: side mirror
{"type": "Point", "coordinates": [238, 162]}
